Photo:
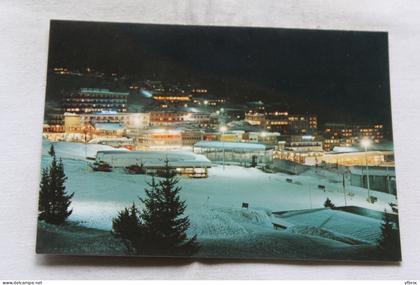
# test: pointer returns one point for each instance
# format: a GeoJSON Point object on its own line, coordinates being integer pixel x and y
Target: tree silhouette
{"type": "Point", "coordinates": [54, 202]}
{"type": "Point", "coordinates": [329, 204]}
{"type": "Point", "coordinates": [389, 241]}
{"type": "Point", "coordinates": [51, 152]}
{"type": "Point", "coordinates": [161, 226]}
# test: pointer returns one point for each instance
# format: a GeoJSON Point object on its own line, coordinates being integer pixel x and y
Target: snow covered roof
{"type": "Point", "coordinates": [341, 149]}
{"type": "Point", "coordinates": [386, 146]}
{"type": "Point", "coordinates": [265, 134]}
{"type": "Point", "coordinates": [99, 140]}
{"type": "Point", "coordinates": [358, 153]}
{"type": "Point", "coordinates": [109, 126]}
{"type": "Point", "coordinates": [232, 145]}
{"type": "Point", "coordinates": [153, 158]}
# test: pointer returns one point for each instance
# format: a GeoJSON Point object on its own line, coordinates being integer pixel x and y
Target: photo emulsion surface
{"type": "Point", "coordinates": [217, 142]}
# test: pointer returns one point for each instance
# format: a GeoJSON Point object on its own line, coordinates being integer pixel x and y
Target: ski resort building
{"type": "Point", "coordinates": [77, 123]}
{"type": "Point", "coordinates": [122, 142]}
{"type": "Point", "coordinates": [184, 163]}
{"type": "Point", "coordinates": [89, 100]}
{"type": "Point", "coordinates": [353, 158]}
{"type": "Point", "coordinates": [380, 178]}
{"type": "Point", "coordinates": [158, 139]}
{"type": "Point", "coordinates": [235, 152]}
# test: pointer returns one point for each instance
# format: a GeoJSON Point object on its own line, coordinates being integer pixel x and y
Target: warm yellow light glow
{"type": "Point", "coordinates": [365, 142]}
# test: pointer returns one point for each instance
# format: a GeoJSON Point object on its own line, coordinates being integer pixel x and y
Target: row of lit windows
{"type": "Point", "coordinates": [88, 110]}
{"type": "Point", "coordinates": [94, 105]}
{"type": "Point", "coordinates": [95, 95]}
{"type": "Point", "coordinates": [172, 98]}
{"type": "Point", "coordinates": [95, 100]}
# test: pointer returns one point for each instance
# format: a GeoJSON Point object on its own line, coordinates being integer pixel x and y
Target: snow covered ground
{"type": "Point", "coordinates": [332, 224]}
{"type": "Point", "coordinates": [214, 204]}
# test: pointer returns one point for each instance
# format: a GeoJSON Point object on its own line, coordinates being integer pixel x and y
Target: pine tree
{"type": "Point", "coordinates": [127, 226]}
{"type": "Point", "coordinates": [44, 195]}
{"type": "Point", "coordinates": [51, 152]}
{"type": "Point", "coordinates": [389, 241]}
{"type": "Point", "coordinates": [54, 201]}
{"type": "Point", "coordinates": [161, 225]}
{"type": "Point", "coordinates": [329, 204]}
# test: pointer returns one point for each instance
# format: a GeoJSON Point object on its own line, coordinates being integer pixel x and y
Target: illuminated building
{"type": "Point", "coordinates": [299, 149]}
{"type": "Point", "coordinates": [235, 152]}
{"type": "Point", "coordinates": [353, 158]}
{"type": "Point", "coordinates": [208, 101]}
{"type": "Point", "coordinates": [380, 178]}
{"type": "Point", "coordinates": [54, 121]}
{"type": "Point", "coordinates": [172, 97]}
{"type": "Point", "coordinates": [199, 91]}
{"type": "Point", "coordinates": [256, 119]}
{"type": "Point", "coordinates": [167, 118]}
{"type": "Point", "coordinates": [374, 132]}
{"type": "Point", "coordinates": [302, 124]}
{"type": "Point", "coordinates": [61, 70]}
{"type": "Point", "coordinates": [338, 135]}
{"type": "Point", "coordinates": [190, 137]}
{"type": "Point", "coordinates": [268, 138]}
{"type": "Point", "coordinates": [74, 121]}
{"type": "Point", "coordinates": [186, 164]}
{"type": "Point", "coordinates": [183, 116]}
{"type": "Point", "coordinates": [231, 136]}
{"type": "Point", "coordinates": [129, 120]}
{"type": "Point", "coordinates": [159, 139]}
{"type": "Point", "coordinates": [202, 119]}
{"type": "Point", "coordinates": [342, 135]}
{"type": "Point", "coordinates": [284, 122]}
{"type": "Point", "coordinates": [88, 100]}
{"type": "Point", "coordinates": [276, 119]}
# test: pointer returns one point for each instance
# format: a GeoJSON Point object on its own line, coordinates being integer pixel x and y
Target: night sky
{"type": "Point", "coordinates": [340, 76]}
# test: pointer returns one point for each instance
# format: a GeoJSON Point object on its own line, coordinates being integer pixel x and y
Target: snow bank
{"type": "Point", "coordinates": [227, 223]}
{"type": "Point", "coordinates": [334, 224]}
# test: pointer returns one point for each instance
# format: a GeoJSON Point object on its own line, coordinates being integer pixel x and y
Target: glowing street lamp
{"type": "Point", "coordinates": [223, 129]}
{"type": "Point", "coordinates": [366, 143]}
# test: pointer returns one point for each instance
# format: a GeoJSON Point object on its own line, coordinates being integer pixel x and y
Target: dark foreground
{"type": "Point", "coordinates": [73, 239]}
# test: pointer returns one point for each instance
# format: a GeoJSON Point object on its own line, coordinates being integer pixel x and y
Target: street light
{"type": "Point", "coordinates": [223, 129]}
{"type": "Point", "coordinates": [366, 143]}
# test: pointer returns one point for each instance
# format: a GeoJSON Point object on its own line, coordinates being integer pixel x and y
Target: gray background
{"type": "Point", "coordinates": [23, 61]}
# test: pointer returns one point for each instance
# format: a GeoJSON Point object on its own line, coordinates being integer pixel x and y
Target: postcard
{"type": "Point", "coordinates": [217, 142]}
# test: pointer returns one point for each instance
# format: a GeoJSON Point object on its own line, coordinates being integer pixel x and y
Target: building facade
{"type": "Point", "coordinates": [246, 154]}
{"type": "Point", "coordinates": [380, 178]}
{"type": "Point", "coordinates": [89, 100]}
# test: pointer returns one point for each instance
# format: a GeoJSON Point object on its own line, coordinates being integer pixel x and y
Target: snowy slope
{"type": "Point", "coordinates": [334, 222]}
{"type": "Point", "coordinates": [214, 204]}
{"type": "Point", "coordinates": [75, 150]}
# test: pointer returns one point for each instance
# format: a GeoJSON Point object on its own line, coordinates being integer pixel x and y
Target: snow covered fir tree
{"type": "Point", "coordinates": [54, 201]}
{"type": "Point", "coordinates": [161, 227]}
